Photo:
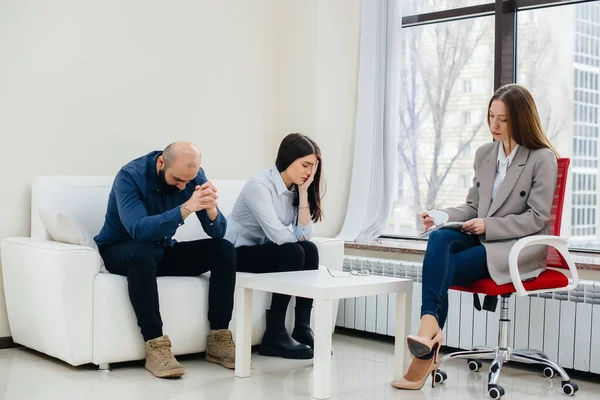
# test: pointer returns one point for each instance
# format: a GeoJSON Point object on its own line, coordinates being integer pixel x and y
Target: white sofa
{"type": "Point", "coordinates": [59, 303]}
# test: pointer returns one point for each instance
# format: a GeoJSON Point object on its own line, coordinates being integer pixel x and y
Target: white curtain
{"type": "Point", "coordinates": [374, 167]}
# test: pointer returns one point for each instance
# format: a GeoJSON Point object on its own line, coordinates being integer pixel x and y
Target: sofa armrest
{"type": "Point", "coordinates": [49, 296]}
{"type": "Point", "coordinates": [331, 252]}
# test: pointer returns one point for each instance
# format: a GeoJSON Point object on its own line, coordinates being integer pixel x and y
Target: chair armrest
{"type": "Point", "coordinates": [331, 252]}
{"type": "Point", "coordinates": [558, 242]}
{"type": "Point", "coordinates": [49, 289]}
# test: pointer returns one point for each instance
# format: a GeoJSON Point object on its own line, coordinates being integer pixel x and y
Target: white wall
{"type": "Point", "coordinates": [87, 86]}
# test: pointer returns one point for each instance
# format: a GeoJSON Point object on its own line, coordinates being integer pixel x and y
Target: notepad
{"type": "Point", "coordinates": [448, 225]}
{"type": "Point", "coordinates": [440, 219]}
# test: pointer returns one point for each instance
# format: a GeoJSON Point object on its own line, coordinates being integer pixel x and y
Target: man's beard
{"type": "Point", "coordinates": [164, 186]}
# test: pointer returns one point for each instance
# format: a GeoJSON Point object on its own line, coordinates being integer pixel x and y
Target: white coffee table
{"type": "Point", "coordinates": [324, 289]}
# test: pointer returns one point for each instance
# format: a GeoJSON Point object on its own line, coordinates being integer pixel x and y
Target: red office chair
{"type": "Point", "coordinates": [550, 280]}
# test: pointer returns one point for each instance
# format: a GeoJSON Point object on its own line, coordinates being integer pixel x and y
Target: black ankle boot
{"type": "Point", "coordinates": [276, 341]}
{"type": "Point", "coordinates": [302, 332]}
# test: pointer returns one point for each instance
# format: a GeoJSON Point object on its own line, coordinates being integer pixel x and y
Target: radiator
{"type": "Point", "coordinates": [561, 324]}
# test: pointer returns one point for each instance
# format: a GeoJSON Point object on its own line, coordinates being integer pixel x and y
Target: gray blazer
{"type": "Point", "coordinates": [521, 207]}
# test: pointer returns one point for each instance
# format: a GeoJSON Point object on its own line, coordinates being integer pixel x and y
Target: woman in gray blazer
{"type": "Point", "coordinates": [511, 197]}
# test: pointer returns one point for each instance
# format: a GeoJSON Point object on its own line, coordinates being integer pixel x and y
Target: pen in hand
{"type": "Point", "coordinates": [426, 219]}
{"type": "Point", "coordinates": [429, 209]}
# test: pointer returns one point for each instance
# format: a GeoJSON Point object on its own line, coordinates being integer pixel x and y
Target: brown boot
{"type": "Point", "coordinates": [220, 348]}
{"type": "Point", "coordinates": [160, 360]}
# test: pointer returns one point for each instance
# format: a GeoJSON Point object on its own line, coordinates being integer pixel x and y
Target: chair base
{"type": "Point", "coordinates": [504, 353]}
{"type": "Point", "coordinates": [499, 356]}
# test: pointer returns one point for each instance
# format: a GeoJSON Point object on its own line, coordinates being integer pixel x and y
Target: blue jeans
{"type": "Point", "coordinates": [451, 258]}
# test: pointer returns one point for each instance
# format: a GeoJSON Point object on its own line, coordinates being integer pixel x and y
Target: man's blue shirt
{"type": "Point", "coordinates": [139, 210]}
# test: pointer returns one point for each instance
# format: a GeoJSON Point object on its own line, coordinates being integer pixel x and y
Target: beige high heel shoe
{"type": "Point", "coordinates": [420, 346]}
{"type": "Point", "coordinates": [405, 384]}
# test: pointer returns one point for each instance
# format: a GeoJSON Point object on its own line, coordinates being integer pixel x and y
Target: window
{"type": "Point", "coordinates": [555, 93]}
{"type": "Point", "coordinates": [438, 128]}
{"type": "Point", "coordinates": [422, 6]}
{"type": "Point", "coordinates": [466, 85]}
{"type": "Point", "coordinates": [441, 125]}
{"type": "Point", "coordinates": [466, 117]}
{"type": "Point", "coordinates": [465, 181]}
{"type": "Point", "coordinates": [466, 149]}
{"type": "Point", "coordinates": [580, 127]}
{"type": "Point", "coordinates": [449, 150]}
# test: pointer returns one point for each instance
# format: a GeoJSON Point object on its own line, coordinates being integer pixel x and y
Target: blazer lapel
{"type": "Point", "coordinates": [485, 179]}
{"type": "Point", "coordinates": [510, 180]}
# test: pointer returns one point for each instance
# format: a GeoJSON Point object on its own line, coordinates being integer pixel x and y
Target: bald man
{"type": "Point", "coordinates": [150, 198]}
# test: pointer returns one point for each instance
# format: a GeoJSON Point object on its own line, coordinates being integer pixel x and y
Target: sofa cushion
{"type": "Point", "coordinates": [65, 229]}
{"type": "Point", "coordinates": [183, 308]}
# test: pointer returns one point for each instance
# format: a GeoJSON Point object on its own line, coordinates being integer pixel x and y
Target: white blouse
{"type": "Point", "coordinates": [501, 166]}
{"type": "Point", "coordinates": [265, 212]}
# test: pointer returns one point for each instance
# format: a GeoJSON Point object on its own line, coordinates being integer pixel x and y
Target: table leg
{"type": "Point", "coordinates": [403, 321]}
{"type": "Point", "coordinates": [322, 357]}
{"type": "Point", "coordinates": [243, 335]}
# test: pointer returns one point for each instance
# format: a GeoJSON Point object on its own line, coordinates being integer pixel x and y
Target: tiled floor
{"type": "Point", "coordinates": [362, 370]}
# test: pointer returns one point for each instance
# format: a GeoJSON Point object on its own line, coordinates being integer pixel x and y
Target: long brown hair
{"type": "Point", "coordinates": [293, 147]}
{"type": "Point", "coordinates": [523, 120]}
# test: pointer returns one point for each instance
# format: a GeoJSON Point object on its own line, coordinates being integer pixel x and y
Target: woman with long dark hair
{"type": "Point", "coordinates": [271, 225]}
{"type": "Point", "coordinates": [511, 197]}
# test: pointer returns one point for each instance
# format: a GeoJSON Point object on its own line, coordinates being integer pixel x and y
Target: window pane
{"type": "Point", "coordinates": [562, 69]}
{"type": "Point", "coordinates": [412, 7]}
{"type": "Point", "coordinates": [441, 118]}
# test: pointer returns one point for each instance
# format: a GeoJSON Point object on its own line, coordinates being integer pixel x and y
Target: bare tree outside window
{"type": "Point", "coordinates": [435, 60]}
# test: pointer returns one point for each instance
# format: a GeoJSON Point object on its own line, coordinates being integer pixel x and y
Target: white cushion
{"type": "Point", "coordinates": [83, 198]}
{"type": "Point", "coordinates": [65, 229]}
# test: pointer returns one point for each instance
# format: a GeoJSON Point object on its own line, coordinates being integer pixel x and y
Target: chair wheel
{"type": "Point", "coordinates": [549, 372]}
{"type": "Point", "coordinates": [440, 376]}
{"type": "Point", "coordinates": [474, 365]}
{"type": "Point", "coordinates": [569, 388]}
{"type": "Point", "coordinates": [495, 392]}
